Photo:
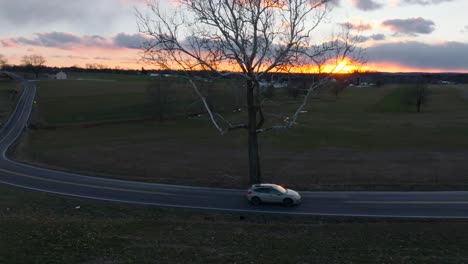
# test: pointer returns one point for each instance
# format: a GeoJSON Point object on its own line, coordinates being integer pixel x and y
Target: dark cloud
{"type": "Point", "coordinates": [378, 37]}
{"type": "Point", "coordinates": [82, 13]}
{"type": "Point", "coordinates": [354, 26]}
{"type": "Point", "coordinates": [367, 5]}
{"type": "Point", "coordinates": [63, 40]}
{"type": "Point", "coordinates": [96, 41]}
{"type": "Point", "coordinates": [53, 39]}
{"type": "Point", "coordinates": [425, 2]}
{"type": "Point", "coordinates": [375, 37]}
{"type": "Point", "coordinates": [131, 41]}
{"type": "Point", "coordinates": [410, 26]}
{"type": "Point", "coordinates": [103, 58]}
{"type": "Point", "coordinates": [60, 40]}
{"type": "Point", "coordinates": [7, 43]}
{"type": "Point", "coordinates": [71, 57]}
{"type": "Point", "coordinates": [449, 55]}
{"type": "Point", "coordinates": [335, 2]}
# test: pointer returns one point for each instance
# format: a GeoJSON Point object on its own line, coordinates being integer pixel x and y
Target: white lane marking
{"type": "Point", "coordinates": [86, 185]}
{"type": "Point", "coordinates": [28, 113]}
{"type": "Point", "coordinates": [406, 202]}
{"type": "Point", "coordinates": [241, 210]}
{"type": "Point", "coordinates": [10, 120]}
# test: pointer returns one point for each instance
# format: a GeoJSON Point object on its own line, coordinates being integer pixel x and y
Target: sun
{"type": "Point", "coordinates": [340, 67]}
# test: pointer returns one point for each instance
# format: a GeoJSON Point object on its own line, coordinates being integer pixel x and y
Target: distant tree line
{"type": "Point", "coordinates": [397, 78]}
{"type": "Point", "coordinates": [353, 78]}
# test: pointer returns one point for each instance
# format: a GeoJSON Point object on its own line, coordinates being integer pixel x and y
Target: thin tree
{"type": "Point", "coordinates": [422, 94]}
{"type": "Point", "coordinates": [34, 62]}
{"type": "Point", "coordinates": [416, 95]}
{"type": "Point", "coordinates": [158, 99]}
{"type": "Point", "coordinates": [249, 38]}
{"type": "Point", "coordinates": [3, 61]}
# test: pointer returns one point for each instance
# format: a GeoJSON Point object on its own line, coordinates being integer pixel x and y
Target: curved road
{"type": "Point", "coordinates": [372, 204]}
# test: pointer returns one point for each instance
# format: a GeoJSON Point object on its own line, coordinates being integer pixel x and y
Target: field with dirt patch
{"type": "Point", "coordinates": [362, 139]}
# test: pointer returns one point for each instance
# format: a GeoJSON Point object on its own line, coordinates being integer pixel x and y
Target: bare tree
{"type": "Point", "coordinates": [96, 66]}
{"type": "Point", "coordinates": [34, 62]}
{"type": "Point", "coordinates": [3, 61]}
{"type": "Point", "coordinates": [416, 95]}
{"type": "Point", "coordinates": [422, 93]}
{"type": "Point", "coordinates": [249, 38]}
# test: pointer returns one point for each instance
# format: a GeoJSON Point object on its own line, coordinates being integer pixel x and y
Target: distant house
{"type": "Point", "coordinates": [446, 82]}
{"type": "Point", "coordinates": [276, 85]}
{"type": "Point", "coordinates": [61, 76]}
{"type": "Point", "coordinates": [279, 85]}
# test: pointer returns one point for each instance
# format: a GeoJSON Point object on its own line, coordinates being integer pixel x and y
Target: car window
{"type": "Point", "coordinates": [281, 189]}
{"type": "Point", "coordinates": [262, 190]}
{"type": "Point", "coordinates": [273, 191]}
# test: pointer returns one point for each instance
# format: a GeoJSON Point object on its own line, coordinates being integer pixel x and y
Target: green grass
{"type": "Point", "coordinates": [41, 228]}
{"type": "Point", "coordinates": [373, 118]}
{"type": "Point", "coordinates": [392, 102]}
{"type": "Point", "coordinates": [7, 100]}
{"type": "Point", "coordinates": [90, 101]}
{"type": "Point", "coordinates": [344, 142]}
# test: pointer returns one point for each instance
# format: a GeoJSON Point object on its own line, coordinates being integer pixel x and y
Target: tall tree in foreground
{"type": "Point", "coordinates": [3, 61]}
{"type": "Point", "coordinates": [34, 62]}
{"type": "Point", "coordinates": [249, 38]}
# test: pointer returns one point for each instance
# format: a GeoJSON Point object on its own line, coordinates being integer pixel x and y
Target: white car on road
{"type": "Point", "coordinates": [272, 193]}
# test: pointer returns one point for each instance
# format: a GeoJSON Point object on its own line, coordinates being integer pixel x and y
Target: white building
{"type": "Point", "coordinates": [61, 76]}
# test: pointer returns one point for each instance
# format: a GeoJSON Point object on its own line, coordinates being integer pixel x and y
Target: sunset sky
{"type": "Point", "coordinates": [400, 35]}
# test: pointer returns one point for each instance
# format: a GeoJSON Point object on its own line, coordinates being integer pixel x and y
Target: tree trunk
{"type": "Point", "coordinates": [161, 107]}
{"type": "Point", "coordinates": [418, 104]}
{"type": "Point", "coordinates": [254, 158]}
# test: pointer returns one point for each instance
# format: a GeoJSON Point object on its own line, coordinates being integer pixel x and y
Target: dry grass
{"type": "Point", "coordinates": [7, 99]}
{"type": "Point", "coordinates": [342, 143]}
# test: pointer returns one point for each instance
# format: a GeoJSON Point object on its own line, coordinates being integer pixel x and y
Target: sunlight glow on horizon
{"type": "Point", "coordinates": [130, 59]}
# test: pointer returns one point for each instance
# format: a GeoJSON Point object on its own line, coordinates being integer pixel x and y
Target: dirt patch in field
{"type": "Point", "coordinates": [169, 161]}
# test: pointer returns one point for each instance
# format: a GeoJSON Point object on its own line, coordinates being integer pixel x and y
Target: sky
{"type": "Point", "coordinates": [398, 35]}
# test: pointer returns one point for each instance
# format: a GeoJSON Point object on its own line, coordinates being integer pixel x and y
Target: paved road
{"type": "Point", "coordinates": [375, 204]}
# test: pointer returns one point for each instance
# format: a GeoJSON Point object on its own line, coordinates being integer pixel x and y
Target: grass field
{"type": "Point", "coordinates": [97, 100]}
{"type": "Point", "coordinates": [355, 141]}
{"type": "Point", "coordinates": [40, 228]}
{"type": "Point", "coordinates": [72, 101]}
{"type": "Point", "coordinates": [7, 100]}
{"type": "Point", "coordinates": [362, 139]}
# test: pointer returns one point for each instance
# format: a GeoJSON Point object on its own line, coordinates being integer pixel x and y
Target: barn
{"type": "Point", "coordinates": [61, 76]}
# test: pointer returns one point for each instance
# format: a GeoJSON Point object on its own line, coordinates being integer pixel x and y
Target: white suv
{"type": "Point", "coordinates": [272, 193]}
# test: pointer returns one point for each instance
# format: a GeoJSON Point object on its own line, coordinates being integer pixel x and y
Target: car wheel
{"type": "Point", "coordinates": [288, 202]}
{"type": "Point", "coordinates": [255, 201]}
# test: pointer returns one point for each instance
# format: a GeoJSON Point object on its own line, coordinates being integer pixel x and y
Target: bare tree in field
{"type": "Point", "coordinates": [34, 62]}
{"type": "Point", "coordinates": [3, 61]}
{"type": "Point", "coordinates": [249, 38]}
{"type": "Point", "coordinates": [422, 94]}
{"type": "Point", "coordinates": [417, 95]}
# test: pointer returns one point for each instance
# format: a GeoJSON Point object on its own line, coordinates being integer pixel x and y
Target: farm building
{"type": "Point", "coordinates": [61, 76]}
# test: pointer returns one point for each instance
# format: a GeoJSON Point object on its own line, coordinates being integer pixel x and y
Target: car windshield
{"type": "Point", "coordinates": [280, 188]}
